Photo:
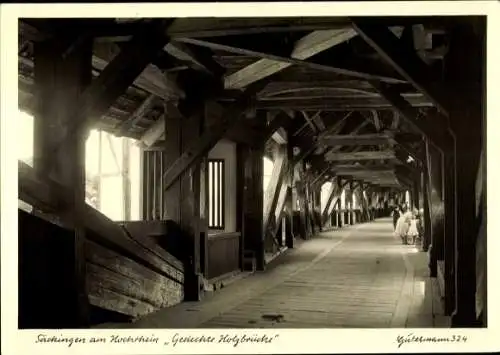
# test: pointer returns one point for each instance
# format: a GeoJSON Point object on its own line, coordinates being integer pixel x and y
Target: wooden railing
{"type": "Point", "coordinates": [223, 254]}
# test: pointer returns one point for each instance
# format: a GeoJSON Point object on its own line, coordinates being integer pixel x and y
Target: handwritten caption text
{"type": "Point", "coordinates": [175, 340]}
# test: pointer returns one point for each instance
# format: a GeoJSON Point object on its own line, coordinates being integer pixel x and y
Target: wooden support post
{"type": "Point", "coordinates": [325, 215]}
{"type": "Point", "coordinates": [341, 205]}
{"type": "Point", "coordinates": [252, 202]}
{"type": "Point", "coordinates": [366, 206]}
{"type": "Point", "coordinates": [465, 71]}
{"type": "Point", "coordinates": [144, 185]}
{"type": "Point", "coordinates": [351, 211]}
{"type": "Point", "coordinates": [449, 232]}
{"type": "Point", "coordinates": [415, 192]}
{"type": "Point", "coordinates": [289, 204]}
{"type": "Point", "coordinates": [183, 197]}
{"type": "Point", "coordinates": [426, 242]}
{"type": "Point", "coordinates": [273, 192]}
{"type": "Point", "coordinates": [337, 215]}
{"type": "Point", "coordinates": [466, 164]}
{"type": "Point", "coordinates": [364, 217]}
{"type": "Point", "coordinates": [421, 188]}
{"type": "Point", "coordinates": [204, 218]}
{"type": "Point", "coordinates": [240, 199]}
{"type": "Point", "coordinates": [437, 208]}
{"type": "Point", "coordinates": [303, 208]}
{"type": "Point", "coordinates": [308, 203]}
{"type": "Point", "coordinates": [190, 207]}
{"type": "Point", "coordinates": [317, 207]}
{"type": "Point", "coordinates": [351, 195]}
{"type": "Point", "coordinates": [99, 172]}
{"type": "Point", "coordinates": [60, 81]}
{"type": "Point", "coordinates": [126, 180]}
{"type": "Point", "coordinates": [173, 149]}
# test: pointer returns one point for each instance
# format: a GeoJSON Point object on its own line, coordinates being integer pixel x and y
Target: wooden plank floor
{"type": "Point", "coordinates": [359, 276]}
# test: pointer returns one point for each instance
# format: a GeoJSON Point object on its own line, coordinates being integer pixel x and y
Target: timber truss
{"type": "Point", "coordinates": [353, 96]}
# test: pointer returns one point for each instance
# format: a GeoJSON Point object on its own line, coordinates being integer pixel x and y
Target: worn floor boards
{"type": "Point", "coordinates": [355, 277]}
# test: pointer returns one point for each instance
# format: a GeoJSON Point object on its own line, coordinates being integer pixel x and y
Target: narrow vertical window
{"type": "Point", "coordinates": [216, 189]}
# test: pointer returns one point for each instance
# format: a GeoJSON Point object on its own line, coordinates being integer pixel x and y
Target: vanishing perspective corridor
{"type": "Point", "coordinates": [360, 276]}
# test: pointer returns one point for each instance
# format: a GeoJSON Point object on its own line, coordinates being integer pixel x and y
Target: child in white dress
{"type": "Point", "coordinates": [413, 230]}
{"type": "Point", "coordinates": [402, 226]}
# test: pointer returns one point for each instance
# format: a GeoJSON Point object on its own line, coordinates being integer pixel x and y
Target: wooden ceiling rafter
{"type": "Point", "coordinates": [336, 104]}
{"type": "Point", "coordinates": [436, 132]}
{"type": "Point", "coordinates": [314, 74]}
{"type": "Point", "coordinates": [118, 75]}
{"type": "Point", "coordinates": [279, 57]}
{"type": "Point", "coordinates": [405, 61]}
{"type": "Point", "coordinates": [306, 47]}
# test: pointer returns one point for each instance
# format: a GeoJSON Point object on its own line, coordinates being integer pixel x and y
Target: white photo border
{"type": "Point", "coordinates": [285, 341]}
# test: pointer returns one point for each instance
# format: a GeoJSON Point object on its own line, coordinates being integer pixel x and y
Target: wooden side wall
{"type": "Point", "coordinates": [119, 287]}
{"type": "Point", "coordinates": [47, 293]}
{"type": "Point", "coordinates": [223, 254]}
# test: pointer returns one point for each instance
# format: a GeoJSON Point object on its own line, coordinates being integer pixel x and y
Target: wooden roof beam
{"type": "Point", "coordinates": [216, 27]}
{"type": "Point", "coordinates": [318, 121]}
{"type": "Point", "coordinates": [306, 47]}
{"type": "Point", "coordinates": [283, 84]}
{"type": "Point", "coordinates": [135, 116]}
{"type": "Point", "coordinates": [109, 30]}
{"type": "Point", "coordinates": [198, 61]}
{"type": "Point", "coordinates": [242, 133]}
{"type": "Point", "coordinates": [332, 130]}
{"type": "Point", "coordinates": [309, 120]}
{"type": "Point", "coordinates": [157, 130]}
{"type": "Point", "coordinates": [275, 127]}
{"type": "Point", "coordinates": [309, 148]}
{"type": "Point", "coordinates": [376, 120]}
{"type": "Point", "coordinates": [418, 156]}
{"type": "Point", "coordinates": [321, 176]}
{"type": "Point", "coordinates": [436, 131]}
{"type": "Point", "coordinates": [279, 58]}
{"type": "Point", "coordinates": [366, 155]}
{"type": "Point", "coordinates": [362, 174]}
{"type": "Point", "coordinates": [405, 61]}
{"type": "Point", "coordinates": [333, 104]}
{"type": "Point", "coordinates": [351, 140]}
{"type": "Point", "coordinates": [353, 132]}
{"type": "Point", "coordinates": [154, 133]}
{"type": "Point", "coordinates": [118, 75]}
{"type": "Point", "coordinates": [296, 131]}
{"type": "Point", "coordinates": [151, 79]}
{"type": "Point", "coordinates": [395, 120]}
{"type": "Point", "coordinates": [280, 136]}
{"type": "Point", "coordinates": [230, 117]}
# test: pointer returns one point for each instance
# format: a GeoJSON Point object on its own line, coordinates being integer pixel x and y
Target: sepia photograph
{"type": "Point", "coordinates": [245, 172]}
{"type": "Point", "coordinates": [252, 172]}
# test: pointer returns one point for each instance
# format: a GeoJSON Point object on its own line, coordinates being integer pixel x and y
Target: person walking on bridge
{"type": "Point", "coordinates": [395, 215]}
{"type": "Point", "coordinates": [403, 225]}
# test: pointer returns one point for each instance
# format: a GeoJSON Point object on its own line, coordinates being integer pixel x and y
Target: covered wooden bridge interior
{"type": "Point", "coordinates": [379, 108]}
